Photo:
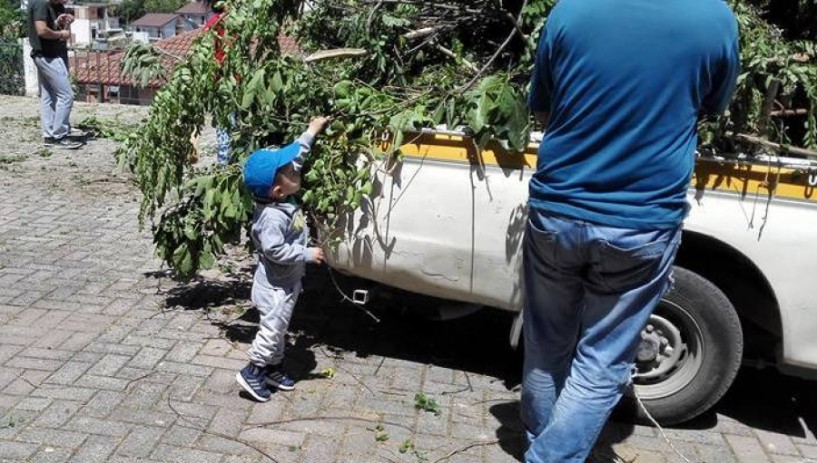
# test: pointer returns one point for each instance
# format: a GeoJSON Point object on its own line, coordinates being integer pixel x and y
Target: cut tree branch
{"type": "Point", "coordinates": [449, 53]}
{"type": "Point", "coordinates": [784, 149]}
{"type": "Point", "coordinates": [789, 112]}
{"type": "Point", "coordinates": [336, 53]}
{"type": "Point", "coordinates": [421, 33]}
{"type": "Point", "coordinates": [515, 31]}
{"type": "Point", "coordinates": [442, 6]}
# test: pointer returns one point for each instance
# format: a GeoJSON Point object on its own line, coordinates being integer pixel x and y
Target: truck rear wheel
{"type": "Point", "coordinates": [689, 354]}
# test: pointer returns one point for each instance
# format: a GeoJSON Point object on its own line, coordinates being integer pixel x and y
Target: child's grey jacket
{"type": "Point", "coordinates": [280, 235]}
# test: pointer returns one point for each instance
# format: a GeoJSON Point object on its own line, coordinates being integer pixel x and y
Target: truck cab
{"type": "Point", "coordinates": [446, 219]}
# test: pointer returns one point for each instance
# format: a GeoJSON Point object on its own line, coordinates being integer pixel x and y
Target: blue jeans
{"type": "Point", "coordinates": [223, 142]}
{"type": "Point", "coordinates": [589, 291]}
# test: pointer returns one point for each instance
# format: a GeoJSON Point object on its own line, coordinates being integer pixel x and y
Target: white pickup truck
{"type": "Point", "coordinates": [447, 219]}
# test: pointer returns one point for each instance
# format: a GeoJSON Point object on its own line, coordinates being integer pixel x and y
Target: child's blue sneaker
{"type": "Point", "coordinates": [276, 376]}
{"type": "Point", "coordinates": [251, 378]}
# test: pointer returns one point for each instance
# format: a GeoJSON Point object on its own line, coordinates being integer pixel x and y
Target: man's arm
{"type": "Point", "coordinates": [44, 32]}
{"type": "Point", "coordinates": [724, 79]}
{"type": "Point", "coordinates": [540, 83]}
{"type": "Point", "coordinates": [40, 15]}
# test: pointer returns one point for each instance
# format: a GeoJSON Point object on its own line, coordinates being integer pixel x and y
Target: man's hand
{"type": "Point", "coordinates": [318, 125]}
{"type": "Point", "coordinates": [43, 31]}
{"type": "Point", "coordinates": [64, 20]}
{"type": "Point", "coordinates": [316, 255]}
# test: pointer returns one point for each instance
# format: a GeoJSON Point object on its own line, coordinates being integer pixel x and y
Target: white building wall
{"type": "Point", "coordinates": [142, 37]}
{"type": "Point", "coordinates": [81, 32]}
{"type": "Point", "coordinates": [32, 85]}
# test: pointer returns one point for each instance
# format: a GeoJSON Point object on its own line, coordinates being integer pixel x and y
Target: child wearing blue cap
{"type": "Point", "coordinates": [280, 236]}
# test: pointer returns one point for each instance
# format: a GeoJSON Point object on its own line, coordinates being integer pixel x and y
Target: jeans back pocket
{"type": "Point", "coordinates": [540, 244]}
{"type": "Point", "coordinates": [628, 262]}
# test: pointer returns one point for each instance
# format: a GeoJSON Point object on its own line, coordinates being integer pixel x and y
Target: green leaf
{"type": "Point", "coordinates": [183, 260]}
{"type": "Point", "coordinates": [207, 260]}
{"type": "Point", "coordinates": [191, 233]}
{"type": "Point", "coordinates": [276, 84]}
{"type": "Point", "coordinates": [366, 189]}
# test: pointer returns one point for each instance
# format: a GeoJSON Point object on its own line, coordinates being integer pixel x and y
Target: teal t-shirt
{"type": "Point", "coordinates": [624, 82]}
{"type": "Point", "coordinates": [45, 10]}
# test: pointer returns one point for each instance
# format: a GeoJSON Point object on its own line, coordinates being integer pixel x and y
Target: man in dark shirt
{"type": "Point", "coordinates": [48, 33]}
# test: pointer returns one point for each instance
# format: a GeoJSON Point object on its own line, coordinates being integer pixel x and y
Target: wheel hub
{"type": "Point", "coordinates": [660, 350]}
{"type": "Point", "coordinates": [648, 348]}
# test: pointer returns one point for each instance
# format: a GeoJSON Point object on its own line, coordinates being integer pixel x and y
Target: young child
{"type": "Point", "coordinates": [280, 235]}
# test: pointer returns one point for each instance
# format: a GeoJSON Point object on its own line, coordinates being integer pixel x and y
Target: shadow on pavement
{"type": "Point", "coordinates": [511, 432]}
{"type": "Point", "coordinates": [478, 343]}
{"type": "Point", "coordinates": [766, 400]}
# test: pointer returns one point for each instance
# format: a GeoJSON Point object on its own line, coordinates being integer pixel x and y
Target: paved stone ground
{"type": "Point", "coordinates": [103, 358]}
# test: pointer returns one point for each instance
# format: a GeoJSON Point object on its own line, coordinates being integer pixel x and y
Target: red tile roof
{"type": "Point", "coordinates": [155, 20]}
{"type": "Point", "coordinates": [99, 67]}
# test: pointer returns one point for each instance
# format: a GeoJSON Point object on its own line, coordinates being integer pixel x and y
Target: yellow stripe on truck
{"type": "Point", "coordinates": [460, 149]}
{"type": "Point", "coordinates": [728, 176]}
{"type": "Point", "coordinates": [750, 179]}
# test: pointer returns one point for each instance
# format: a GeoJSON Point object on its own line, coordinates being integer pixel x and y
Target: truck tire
{"type": "Point", "coordinates": [689, 354]}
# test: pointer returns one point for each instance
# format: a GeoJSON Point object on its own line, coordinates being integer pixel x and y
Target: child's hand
{"type": "Point", "coordinates": [316, 255]}
{"type": "Point", "coordinates": [318, 125]}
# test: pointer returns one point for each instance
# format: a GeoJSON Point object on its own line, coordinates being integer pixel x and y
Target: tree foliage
{"type": "Point", "coordinates": [163, 6]}
{"type": "Point", "coordinates": [130, 10]}
{"type": "Point", "coordinates": [12, 20]}
{"type": "Point", "coordinates": [461, 63]}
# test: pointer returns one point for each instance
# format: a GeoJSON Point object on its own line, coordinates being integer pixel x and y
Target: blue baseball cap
{"type": "Point", "coordinates": [262, 166]}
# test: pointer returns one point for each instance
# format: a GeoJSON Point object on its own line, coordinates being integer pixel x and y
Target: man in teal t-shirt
{"type": "Point", "coordinates": [620, 85]}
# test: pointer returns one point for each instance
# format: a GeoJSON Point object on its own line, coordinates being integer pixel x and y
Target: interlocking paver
{"type": "Point", "coordinates": [97, 449]}
{"type": "Point", "coordinates": [102, 403]}
{"type": "Point", "coordinates": [228, 422]}
{"type": "Point", "coordinates": [181, 435]}
{"type": "Point", "coordinates": [101, 427]}
{"type": "Point", "coordinates": [57, 414]}
{"type": "Point", "coordinates": [16, 450]}
{"type": "Point", "coordinates": [55, 437]}
{"type": "Point", "coordinates": [68, 372]}
{"type": "Point", "coordinates": [147, 358]}
{"type": "Point", "coordinates": [184, 455]}
{"type": "Point", "coordinates": [140, 442]}
{"type": "Point", "coordinates": [776, 443]}
{"type": "Point", "coordinates": [52, 455]}
{"type": "Point", "coordinates": [808, 451]}
{"type": "Point", "coordinates": [747, 449]}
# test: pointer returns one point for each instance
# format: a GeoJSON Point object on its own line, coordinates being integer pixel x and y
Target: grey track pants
{"type": "Point", "coordinates": [275, 306]}
{"type": "Point", "coordinates": [56, 96]}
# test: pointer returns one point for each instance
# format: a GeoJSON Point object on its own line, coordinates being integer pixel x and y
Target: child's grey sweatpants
{"type": "Point", "coordinates": [275, 307]}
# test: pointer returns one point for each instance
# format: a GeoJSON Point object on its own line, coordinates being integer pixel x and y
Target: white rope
{"type": "Point", "coordinates": [349, 299]}
{"type": "Point", "coordinates": [660, 429]}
